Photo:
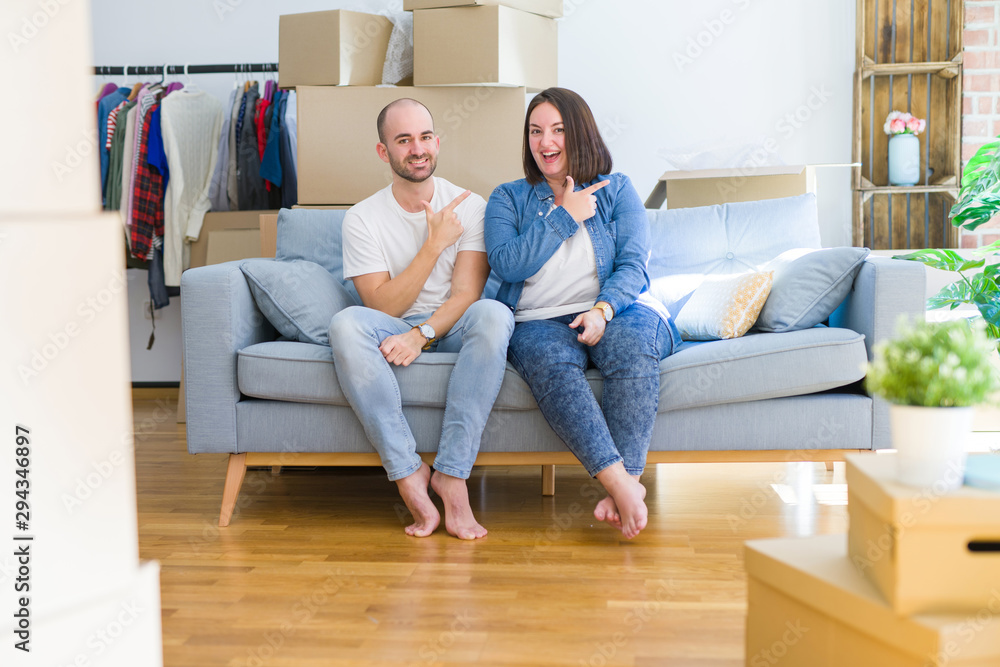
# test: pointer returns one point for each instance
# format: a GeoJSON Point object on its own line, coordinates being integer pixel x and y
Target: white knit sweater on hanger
{"type": "Point", "coordinates": [191, 123]}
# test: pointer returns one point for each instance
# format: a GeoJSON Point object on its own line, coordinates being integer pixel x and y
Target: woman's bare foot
{"type": "Point", "coordinates": [627, 494]}
{"type": "Point", "coordinates": [413, 489]}
{"type": "Point", "coordinates": [606, 510]}
{"type": "Point", "coordinates": [458, 518]}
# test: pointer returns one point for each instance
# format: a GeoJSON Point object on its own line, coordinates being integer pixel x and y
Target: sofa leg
{"type": "Point", "coordinates": [548, 480]}
{"type": "Point", "coordinates": [234, 480]}
{"type": "Point", "coordinates": [275, 471]}
{"type": "Point", "coordinates": [829, 466]}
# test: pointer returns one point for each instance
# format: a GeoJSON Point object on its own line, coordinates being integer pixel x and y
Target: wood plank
{"type": "Point", "coordinates": [918, 235]}
{"type": "Point", "coordinates": [938, 13]}
{"type": "Point", "coordinates": [323, 574]}
{"type": "Point", "coordinates": [885, 38]}
{"type": "Point", "coordinates": [880, 223]}
{"type": "Point", "coordinates": [902, 52]}
{"type": "Point", "coordinates": [900, 221]}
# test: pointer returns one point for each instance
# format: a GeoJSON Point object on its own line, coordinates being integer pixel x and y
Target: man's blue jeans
{"type": "Point", "coordinates": [552, 361]}
{"type": "Point", "coordinates": [479, 337]}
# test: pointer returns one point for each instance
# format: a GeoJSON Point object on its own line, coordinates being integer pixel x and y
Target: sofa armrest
{"type": "Point", "coordinates": [219, 317]}
{"type": "Point", "coordinates": [883, 290]}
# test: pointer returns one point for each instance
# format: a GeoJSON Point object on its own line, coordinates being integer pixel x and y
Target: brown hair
{"type": "Point", "coordinates": [586, 153]}
{"type": "Point", "coordinates": [380, 122]}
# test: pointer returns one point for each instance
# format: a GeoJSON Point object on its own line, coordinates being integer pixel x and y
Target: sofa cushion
{"type": "Point", "coordinates": [754, 367]}
{"type": "Point", "coordinates": [298, 297]}
{"type": "Point", "coordinates": [314, 235]}
{"type": "Point", "coordinates": [690, 243]}
{"type": "Point", "coordinates": [724, 306]}
{"type": "Point", "coordinates": [808, 286]}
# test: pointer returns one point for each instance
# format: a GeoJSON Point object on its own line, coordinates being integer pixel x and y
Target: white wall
{"type": "Point", "coordinates": [673, 83]}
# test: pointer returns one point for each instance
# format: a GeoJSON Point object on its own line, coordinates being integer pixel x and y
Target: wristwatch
{"type": "Point", "coordinates": [605, 309]}
{"type": "Point", "coordinates": [427, 331]}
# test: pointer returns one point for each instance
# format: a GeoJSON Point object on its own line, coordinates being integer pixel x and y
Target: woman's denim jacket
{"type": "Point", "coordinates": [521, 235]}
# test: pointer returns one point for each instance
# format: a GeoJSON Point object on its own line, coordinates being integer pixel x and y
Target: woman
{"type": "Point", "coordinates": [570, 243]}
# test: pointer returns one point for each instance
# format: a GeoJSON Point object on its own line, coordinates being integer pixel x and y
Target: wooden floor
{"type": "Point", "coordinates": [315, 569]}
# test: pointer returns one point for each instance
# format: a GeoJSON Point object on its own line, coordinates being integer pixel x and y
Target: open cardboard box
{"type": "Point", "coordinates": [332, 48]}
{"type": "Point", "coordinates": [480, 130]}
{"type": "Point", "coordinates": [551, 8]}
{"type": "Point", "coordinates": [925, 550]}
{"type": "Point", "coordinates": [490, 45]}
{"type": "Point", "coordinates": [808, 606]}
{"type": "Point", "coordinates": [707, 187]}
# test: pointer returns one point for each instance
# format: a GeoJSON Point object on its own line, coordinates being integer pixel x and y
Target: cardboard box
{"type": "Point", "coordinates": [493, 45]}
{"type": "Point", "coordinates": [217, 221]}
{"type": "Point", "coordinates": [551, 8]}
{"type": "Point", "coordinates": [55, 168]}
{"type": "Point", "coordinates": [480, 132]}
{"type": "Point", "coordinates": [332, 48]}
{"type": "Point", "coordinates": [226, 245]}
{"type": "Point", "coordinates": [707, 187]}
{"type": "Point", "coordinates": [268, 234]}
{"type": "Point", "coordinates": [809, 607]}
{"type": "Point", "coordinates": [916, 545]}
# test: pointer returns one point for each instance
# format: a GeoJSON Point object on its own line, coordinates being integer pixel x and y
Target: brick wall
{"type": "Point", "coordinates": [981, 94]}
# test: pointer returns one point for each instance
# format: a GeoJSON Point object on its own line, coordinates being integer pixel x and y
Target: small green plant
{"type": "Point", "coordinates": [947, 364]}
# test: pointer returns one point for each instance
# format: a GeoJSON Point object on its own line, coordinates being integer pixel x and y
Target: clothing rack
{"type": "Point", "coordinates": [150, 70]}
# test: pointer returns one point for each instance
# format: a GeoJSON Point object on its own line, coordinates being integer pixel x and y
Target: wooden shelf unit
{"type": "Point", "coordinates": [909, 57]}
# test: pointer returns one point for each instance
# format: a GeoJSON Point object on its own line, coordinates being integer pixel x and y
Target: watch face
{"type": "Point", "coordinates": [607, 313]}
{"type": "Point", "coordinates": [427, 331]}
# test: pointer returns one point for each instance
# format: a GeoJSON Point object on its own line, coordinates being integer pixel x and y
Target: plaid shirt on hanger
{"type": "Point", "coordinates": [147, 200]}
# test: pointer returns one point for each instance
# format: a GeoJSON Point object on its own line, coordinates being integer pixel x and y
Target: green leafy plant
{"type": "Point", "coordinates": [978, 201]}
{"type": "Point", "coordinates": [945, 364]}
{"type": "Point", "coordinates": [979, 198]}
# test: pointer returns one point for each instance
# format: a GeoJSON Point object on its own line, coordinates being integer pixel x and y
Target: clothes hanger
{"type": "Point", "coordinates": [189, 85]}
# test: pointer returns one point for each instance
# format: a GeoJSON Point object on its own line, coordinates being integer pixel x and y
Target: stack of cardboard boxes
{"type": "Point", "coordinates": [474, 62]}
{"type": "Point", "coordinates": [915, 584]}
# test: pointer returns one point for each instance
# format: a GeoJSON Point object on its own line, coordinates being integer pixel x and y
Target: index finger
{"type": "Point", "coordinates": [596, 186]}
{"type": "Point", "coordinates": [457, 200]}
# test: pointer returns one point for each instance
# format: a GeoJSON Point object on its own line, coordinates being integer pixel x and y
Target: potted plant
{"type": "Point", "coordinates": [978, 202]}
{"type": "Point", "coordinates": [933, 374]}
{"type": "Point", "coordinates": [904, 147]}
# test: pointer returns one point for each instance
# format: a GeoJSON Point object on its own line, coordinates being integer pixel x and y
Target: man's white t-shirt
{"type": "Point", "coordinates": [379, 235]}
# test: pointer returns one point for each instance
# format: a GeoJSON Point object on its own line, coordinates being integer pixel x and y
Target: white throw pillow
{"type": "Point", "coordinates": [724, 306]}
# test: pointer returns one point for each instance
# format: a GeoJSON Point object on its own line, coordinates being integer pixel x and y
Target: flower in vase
{"type": "Point", "coordinates": [899, 122]}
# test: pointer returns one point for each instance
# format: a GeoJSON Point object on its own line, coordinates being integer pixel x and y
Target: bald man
{"type": "Point", "coordinates": [416, 254]}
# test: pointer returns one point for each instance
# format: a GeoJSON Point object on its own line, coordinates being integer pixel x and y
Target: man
{"type": "Point", "coordinates": [416, 254]}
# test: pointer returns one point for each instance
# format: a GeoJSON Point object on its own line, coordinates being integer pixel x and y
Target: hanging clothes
{"type": "Point", "coordinates": [147, 199]}
{"type": "Point", "coordinates": [217, 194]}
{"type": "Point", "coordinates": [116, 159]}
{"type": "Point", "coordinates": [104, 107]}
{"type": "Point", "coordinates": [249, 185]}
{"type": "Point", "coordinates": [192, 122]}
{"type": "Point", "coordinates": [287, 154]}
{"type": "Point", "coordinates": [231, 185]}
{"type": "Point", "coordinates": [270, 165]}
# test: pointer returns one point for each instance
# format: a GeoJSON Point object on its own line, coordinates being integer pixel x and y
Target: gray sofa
{"type": "Point", "coordinates": [793, 395]}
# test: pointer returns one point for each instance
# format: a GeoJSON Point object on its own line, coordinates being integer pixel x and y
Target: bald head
{"type": "Point", "coordinates": [384, 115]}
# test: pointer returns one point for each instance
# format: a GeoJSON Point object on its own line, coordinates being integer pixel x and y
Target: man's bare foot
{"type": "Point", "coordinates": [413, 489]}
{"type": "Point", "coordinates": [458, 518]}
{"type": "Point", "coordinates": [627, 494]}
{"type": "Point", "coordinates": [606, 510]}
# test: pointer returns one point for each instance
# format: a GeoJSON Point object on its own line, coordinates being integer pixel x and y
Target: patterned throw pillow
{"type": "Point", "coordinates": [724, 306]}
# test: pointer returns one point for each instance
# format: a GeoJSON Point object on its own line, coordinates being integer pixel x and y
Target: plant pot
{"type": "Point", "coordinates": [904, 159]}
{"type": "Point", "coordinates": [930, 445]}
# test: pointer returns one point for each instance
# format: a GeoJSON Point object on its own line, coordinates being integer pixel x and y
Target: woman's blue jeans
{"type": "Point", "coordinates": [552, 361]}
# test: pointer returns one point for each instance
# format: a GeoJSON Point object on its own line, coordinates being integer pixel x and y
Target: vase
{"type": "Point", "coordinates": [904, 159]}
{"type": "Point", "coordinates": [930, 445]}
